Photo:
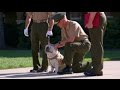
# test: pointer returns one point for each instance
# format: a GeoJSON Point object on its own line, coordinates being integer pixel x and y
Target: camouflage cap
{"type": "Point", "coordinates": [58, 16]}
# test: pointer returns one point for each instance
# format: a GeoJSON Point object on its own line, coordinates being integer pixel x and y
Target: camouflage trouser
{"type": "Point", "coordinates": [38, 37]}
{"type": "Point", "coordinates": [74, 53]}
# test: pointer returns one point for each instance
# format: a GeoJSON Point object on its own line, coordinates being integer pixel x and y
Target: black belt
{"type": "Point", "coordinates": [81, 41]}
{"type": "Point", "coordinates": [39, 21]}
{"type": "Point", "coordinates": [55, 57]}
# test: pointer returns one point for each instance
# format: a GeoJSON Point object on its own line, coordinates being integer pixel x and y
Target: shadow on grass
{"type": "Point", "coordinates": [15, 53]}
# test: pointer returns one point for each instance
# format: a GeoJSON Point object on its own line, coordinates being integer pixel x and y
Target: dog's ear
{"type": "Point", "coordinates": [46, 48]}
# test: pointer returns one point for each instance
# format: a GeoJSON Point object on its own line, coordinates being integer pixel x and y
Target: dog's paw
{"type": "Point", "coordinates": [52, 71]}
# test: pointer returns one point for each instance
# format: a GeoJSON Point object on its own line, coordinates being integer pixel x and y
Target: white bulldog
{"type": "Point", "coordinates": [55, 58]}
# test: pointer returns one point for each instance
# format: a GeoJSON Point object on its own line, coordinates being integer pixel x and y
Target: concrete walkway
{"type": "Point", "coordinates": [111, 71]}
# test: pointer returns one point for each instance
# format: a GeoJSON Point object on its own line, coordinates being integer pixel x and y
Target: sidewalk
{"type": "Point", "coordinates": [111, 71]}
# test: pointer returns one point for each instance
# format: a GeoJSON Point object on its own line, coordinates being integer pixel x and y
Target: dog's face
{"type": "Point", "coordinates": [50, 50]}
{"type": "Point", "coordinates": [54, 54]}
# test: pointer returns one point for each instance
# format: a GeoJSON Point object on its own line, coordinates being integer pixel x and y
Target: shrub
{"type": "Point", "coordinates": [112, 34]}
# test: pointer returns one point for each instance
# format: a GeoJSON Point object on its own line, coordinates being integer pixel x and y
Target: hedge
{"type": "Point", "coordinates": [14, 35]}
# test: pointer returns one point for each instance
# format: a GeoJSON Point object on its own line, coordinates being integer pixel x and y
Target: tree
{"type": "Point", "coordinates": [2, 42]}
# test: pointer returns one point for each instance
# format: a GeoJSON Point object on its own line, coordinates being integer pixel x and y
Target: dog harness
{"type": "Point", "coordinates": [53, 57]}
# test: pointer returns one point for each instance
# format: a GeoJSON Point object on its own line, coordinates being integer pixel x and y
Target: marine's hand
{"type": "Point", "coordinates": [26, 32]}
{"type": "Point", "coordinates": [49, 33]}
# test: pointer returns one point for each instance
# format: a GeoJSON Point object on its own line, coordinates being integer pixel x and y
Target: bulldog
{"type": "Point", "coordinates": [55, 58]}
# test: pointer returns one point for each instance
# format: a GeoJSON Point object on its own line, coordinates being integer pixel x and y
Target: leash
{"type": "Point", "coordinates": [48, 39]}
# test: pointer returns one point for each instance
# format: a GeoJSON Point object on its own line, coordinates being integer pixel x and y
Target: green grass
{"type": "Point", "coordinates": [15, 62]}
{"type": "Point", "coordinates": [108, 55]}
{"type": "Point", "coordinates": [15, 59]}
{"type": "Point", "coordinates": [22, 58]}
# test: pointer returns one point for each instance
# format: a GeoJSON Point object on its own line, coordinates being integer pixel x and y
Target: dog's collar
{"type": "Point", "coordinates": [53, 57]}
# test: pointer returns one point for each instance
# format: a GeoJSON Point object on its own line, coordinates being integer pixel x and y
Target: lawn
{"type": "Point", "coordinates": [22, 58]}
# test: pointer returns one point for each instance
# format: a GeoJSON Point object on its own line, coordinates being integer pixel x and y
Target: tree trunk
{"type": "Point", "coordinates": [2, 42]}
